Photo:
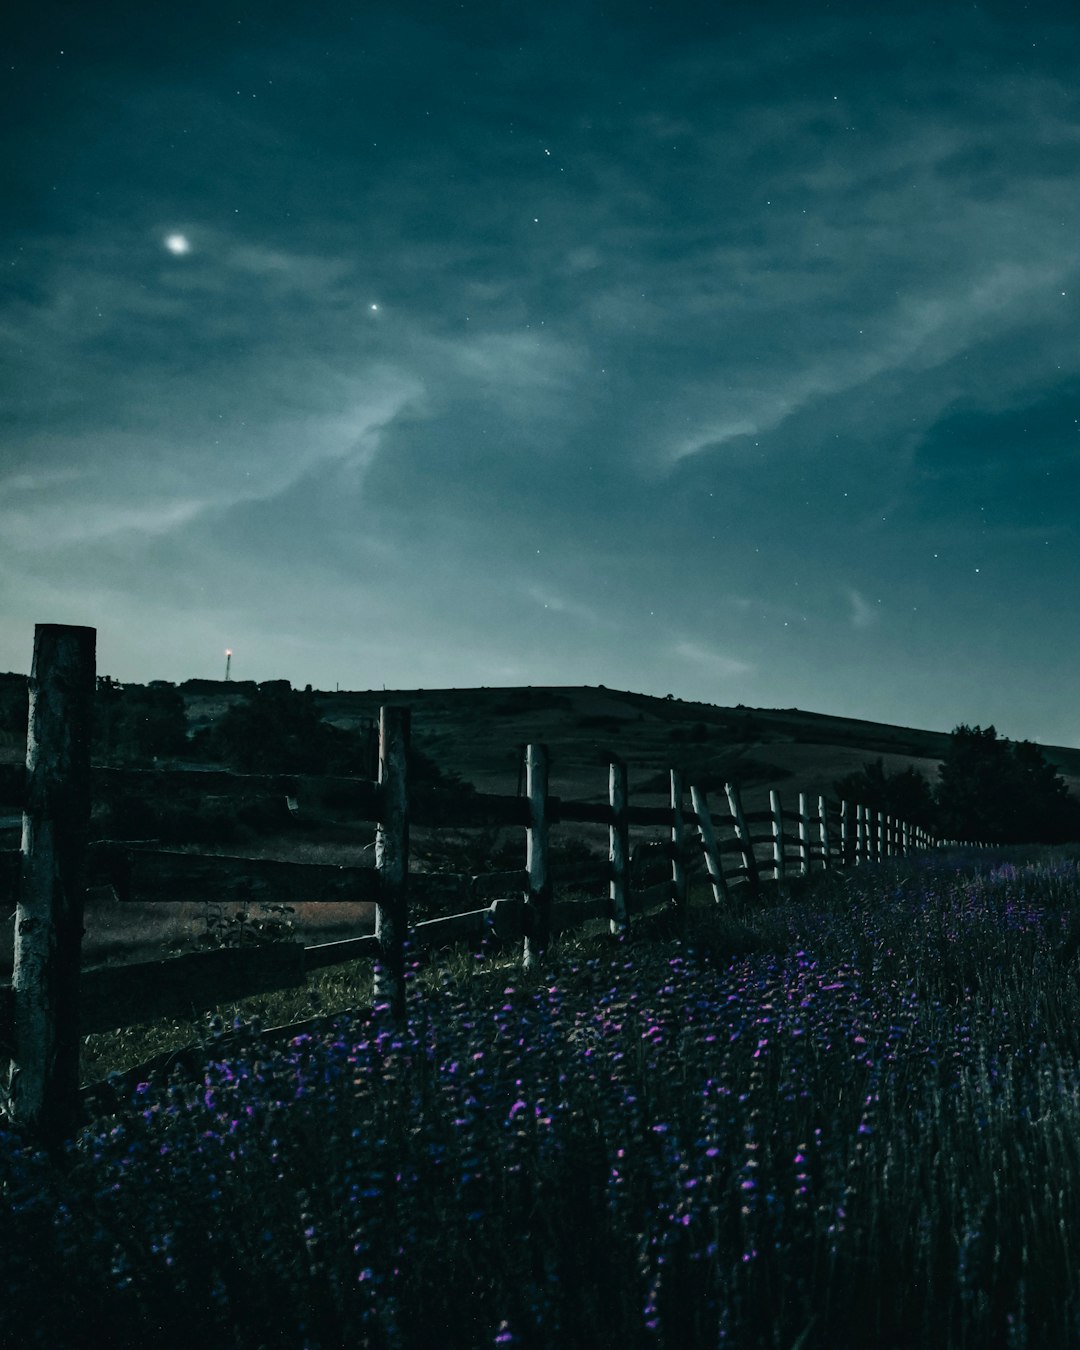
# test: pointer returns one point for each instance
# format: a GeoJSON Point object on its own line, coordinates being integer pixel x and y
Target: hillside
{"type": "Point", "coordinates": [480, 733]}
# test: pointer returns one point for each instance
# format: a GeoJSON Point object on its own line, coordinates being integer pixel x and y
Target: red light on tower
{"type": "Point", "coordinates": [228, 661]}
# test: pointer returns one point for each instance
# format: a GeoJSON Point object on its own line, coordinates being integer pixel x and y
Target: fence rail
{"type": "Point", "coordinates": [51, 1002]}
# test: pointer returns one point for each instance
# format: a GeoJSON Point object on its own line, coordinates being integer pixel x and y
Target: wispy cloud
{"type": "Point", "coordinates": [558, 604]}
{"type": "Point", "coordinates": [862, 614]}
{"type": "Point", "coordinates": [718, 663]}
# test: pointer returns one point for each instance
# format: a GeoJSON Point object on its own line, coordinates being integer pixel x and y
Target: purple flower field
{"type": "Point", "coordinates": [864, 1132]}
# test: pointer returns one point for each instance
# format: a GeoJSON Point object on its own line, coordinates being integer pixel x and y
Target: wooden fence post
{"type": "Point", "coordinates": [42, 1094]}
{"type": "Point", "coordinates": [779, 869]}
{"type": "Point", "coordinates": [823, 821]}
{"type": "Point", "coordinates": [845, 833]}
{"type": "Point", "coordinates": [804, 837]}
{"type": "Point", "coordinates": [678, 844]}
{"type": "Point", "coordinates": [742, 834]}
{"type": "Point", "coordinates": [392, 858]}
{"type": "Point", "coordinates": [538, 897]}
{"type": "Point", "coordinates": [619, 850]}
{"type": "Point", "coordinates": [708, 844]}
{"type": "Point", "coordinates": [860, 833]}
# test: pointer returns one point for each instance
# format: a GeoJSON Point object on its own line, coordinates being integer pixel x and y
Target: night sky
{"type": "Point", "coordinates": [723, 350]}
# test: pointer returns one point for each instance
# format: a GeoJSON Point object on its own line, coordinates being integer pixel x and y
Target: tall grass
{"type": "Point", "coordinates": [855, 1123]}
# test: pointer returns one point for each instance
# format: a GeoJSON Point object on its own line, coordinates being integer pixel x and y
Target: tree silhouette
{"type": "Point", "coordinates": [905, 795]}
{"type": "Point", "coordinates": [992, 790]}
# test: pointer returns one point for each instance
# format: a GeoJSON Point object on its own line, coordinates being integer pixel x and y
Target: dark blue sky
{"type": "Point", "coordinates": [729, 351]}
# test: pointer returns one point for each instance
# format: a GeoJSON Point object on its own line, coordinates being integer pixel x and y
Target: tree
{"type": "Point", "coordinates": [277, 729]}
{"type": "Point", "coordinates": [133, 723]}
{"type": "Point", "coordinates": [905, 795]}
{"type": "Point", "coordinates": [998, 791]}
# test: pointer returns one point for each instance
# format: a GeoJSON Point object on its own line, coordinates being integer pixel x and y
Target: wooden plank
{"type": "Point", "coordinates": [649, 815]}
{"type": "Point", "coordinates": [392, 858]}
{"type": "Point", "coordinates": [326, 954]}
{"type": "Point", "coordinates": [476, 810]}
{"type": "Point", "coordinates": [106, 865]}
{"type": "Point", "coordinates": [618, 851]}
{"type": "Point", "coordinates": [117, 996]}
{"type": "Point", "coordinates": [536, 855]}
{"type": "Point", "coordinates": [454, 888]}
{"type": "Point", "coordinates": [168, 876]}
{"type": "Point", "coordinates": [452, 928]}
{"type": "Point", "coordinates": [42, 1093]}
{"type": "Point", "coordinates": [590, 813]}
{"type": "Point", "coordinates": [359, 797]}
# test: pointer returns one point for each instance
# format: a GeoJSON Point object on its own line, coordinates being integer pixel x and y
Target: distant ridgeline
{"type": "Point", "coordinates": [987, 787]}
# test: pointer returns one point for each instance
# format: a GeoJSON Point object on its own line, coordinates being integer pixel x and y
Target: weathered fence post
{"type": "Point", "coordinates": [777, 834]}
{"type": "Point", "coordinates": [860, 833]}
{"type": "Point", "coordinates": [845, 833]}
{"type": "Point", "coordinates": [538, 897]}
{"type": "Point", "coordinates": [392, 858]}
{"type": "Point", "coordinates": [43, 1081]}
{"type": "Point", "coordinates": [619, 850]}
{"type": "Point", "coordinates": [804, 837]}
{"type": "Point", "coordinates": [678, 844]}
{"type": "Point", "coordinates": [742, 834]}
{"type": "Point", "coordinates": [708, 844]}
{"type": "Point", "coordinates": [823, 821]}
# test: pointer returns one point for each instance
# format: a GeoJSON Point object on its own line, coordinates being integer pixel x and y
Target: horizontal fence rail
{"type": "Point", "coordinates": [52, 1002]}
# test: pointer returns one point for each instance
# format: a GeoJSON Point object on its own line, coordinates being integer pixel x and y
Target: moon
{"type": "Point", "coordinates": [178, 244]}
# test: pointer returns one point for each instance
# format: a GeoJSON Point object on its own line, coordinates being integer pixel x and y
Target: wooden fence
{"type": "Point", "coordinates": [51, 1002]}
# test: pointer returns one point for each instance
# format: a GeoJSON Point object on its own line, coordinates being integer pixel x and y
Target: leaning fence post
{"type": "Point", "coordinates": [777, 834]}
{"type": "Point", "coordinates": [742, 834]}
{"type": "Point", "coordinates": [42, 1095]}
{"type": "Point", "coordinates": [619, 850]}
{"type": "Point", "coordinates": [538, 897]}
{"type": "Point", "coordinates": [708, 844]}
{"type": "Point", "coordinates": [392, 858]}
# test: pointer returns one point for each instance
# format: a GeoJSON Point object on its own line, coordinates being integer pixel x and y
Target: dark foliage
{"type": "Point", "coordinates": [906, 795]}
{"type": "Point", "coordinates": [14, 704]}
{"type": "Point", "coordinates": [277, 729]}
{"type": "Point", "coordinates": [135, 723]}
{"type": "Point", "coordinates": [998, 791]}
